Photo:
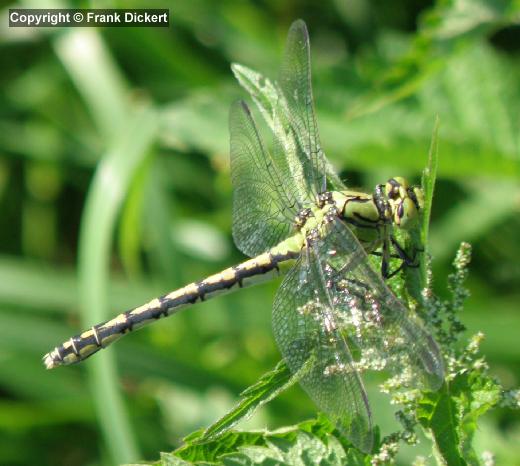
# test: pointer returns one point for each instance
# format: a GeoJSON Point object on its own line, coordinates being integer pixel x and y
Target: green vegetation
{"type": "Point", "coordinates": [115, 187]}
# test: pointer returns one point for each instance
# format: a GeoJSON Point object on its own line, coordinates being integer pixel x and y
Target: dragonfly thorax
{"type": "Point", "coordinates": [372, 216]}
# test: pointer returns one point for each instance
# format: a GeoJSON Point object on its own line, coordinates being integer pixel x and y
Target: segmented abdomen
{"type": "Point", "coordinates": [82, 346]}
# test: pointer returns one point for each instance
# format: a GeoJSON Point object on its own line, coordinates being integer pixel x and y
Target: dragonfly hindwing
{"type": "Point", "coordinates": [263, 209]}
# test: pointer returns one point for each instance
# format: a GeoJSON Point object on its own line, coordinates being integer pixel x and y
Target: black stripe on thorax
{"type": "Point", "coordinates": [369, 224]}
{"type": "Point", "coordinates": [358, 199]}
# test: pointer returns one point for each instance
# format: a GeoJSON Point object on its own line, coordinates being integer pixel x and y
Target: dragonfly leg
{"type": "Point", "coordinates": [406, 259]}
{"type": "Point", "coordinates": [409, 261]}
{"type": "Point", "coordinates": [394, 272]}
{"type": "Point", "coordinates": [380, 254]}
{"type": "Point", "coordinates": [385, 261]}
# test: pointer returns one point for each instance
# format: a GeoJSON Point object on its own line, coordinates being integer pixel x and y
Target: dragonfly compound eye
{"type": "Point", "coordinates": [396, 188]}
{"type": "Point", "coordinates": [405, 212]}
{"type": "Point", "coordinates": [417, 196]}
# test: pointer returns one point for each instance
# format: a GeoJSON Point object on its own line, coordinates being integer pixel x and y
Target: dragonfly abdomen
{"type": "Point", "coordinates": [99, 336]}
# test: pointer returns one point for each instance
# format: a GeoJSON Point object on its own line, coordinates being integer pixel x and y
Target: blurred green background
{"type": "Point", "coordinates": [115, 187]}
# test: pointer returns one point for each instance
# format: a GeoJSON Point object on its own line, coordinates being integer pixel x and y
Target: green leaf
{"type": "Point", "coordinates": [417, 240]}
{"type": "Point", "coordinates": [130, 229]}
{"type": "Point", "coordinates": [268, 387]}
{"type": "Point", "coordinates": [301, 448]}
{"type": "Point", "coordinates": [453, 18]}
{"type": "Point", "coordinates": [261, 90]}
{"type": "Point", "coordinates": [308, 443]}
{"type": "Point", "coordinates": [484, 394]}
{"type": "Point", "coordinates": [212, 450]}
{"type": "Point", "coordinates": [429, 177]}
{"type": "Point", "coordinates": [438, 414]}
{"type": "Point", "coordinates": [451, 414]}
{"type": "Point", "coordinates": [107, 190]}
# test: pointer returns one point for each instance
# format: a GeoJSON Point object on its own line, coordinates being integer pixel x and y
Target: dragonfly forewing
{"type": "Point", "coordinates": [306, 329]}
{"type": "Point", "coordinates": [288, 109]}
{"type": "Point", "coordinates": [297, 106]}
{"type": "Point", "coordinates": [381, 333]}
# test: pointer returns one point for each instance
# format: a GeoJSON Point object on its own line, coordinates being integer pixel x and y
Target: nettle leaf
{"type": "Point", "coordinates": [485, 394]}
{"type": "Point", "coordinates": [211, 451]}
{"type": "Point", "coordinates": [267, 97]}
{"type": "Point", "coordinates": [417, 239]}
{"type": "Point", "coordinates": [269, 386]}
{"type": "Point", "coordinates": [451, 414]}
{"type": "Point", "coordinates": [438, 413]}
{"type": "Point", "coordinates": [453, 18]}
{"type": "Point", "coordinates": [309, 443]}
{"type": "Point", "coordinates": [293, 449]}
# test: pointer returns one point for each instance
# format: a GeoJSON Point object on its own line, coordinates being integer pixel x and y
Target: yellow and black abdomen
{"type": "Point", "coordinates": [99, 336]}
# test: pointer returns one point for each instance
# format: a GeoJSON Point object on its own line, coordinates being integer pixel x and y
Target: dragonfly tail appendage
{"type": "Point", "coordinates": [80, 347]}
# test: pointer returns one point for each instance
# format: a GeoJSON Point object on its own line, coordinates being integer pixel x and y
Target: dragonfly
{"type": "Point", "coordinates": [334, 317]}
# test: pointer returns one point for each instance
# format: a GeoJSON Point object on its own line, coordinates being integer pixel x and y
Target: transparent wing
{"type": "Point", "coordinates": [288, 110]}
{"type": "Point", "coordinates": [305, 327]}
{"type": "Point", "coordinates": [264, 207]}
{"type": "Point", "coordinates": [380, 331]}
{"type": "Point", "coordinates": [298, 107]}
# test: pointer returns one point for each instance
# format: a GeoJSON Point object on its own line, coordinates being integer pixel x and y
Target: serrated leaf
{"type": "Point", "coordinates": [438, 414]}
{"type": "Point", "coordinates": [269, 386]}
{"type": "Point", "coordinates": [261, 90]}
{"type": "Point", "coordinates": [170, 460]}
{"type": "Point", "coordinates": [309, 443]}
{"type": "Point", "coordinates": [417, 239]}
{"type": "Point", "coordinates": [213, 449]}
{"type": "Point", "coordinates": [451, 414]}
{"type": "Point", "coordinates": [304, 449]}
{"type": "Point", "coordinates": [484, 394]}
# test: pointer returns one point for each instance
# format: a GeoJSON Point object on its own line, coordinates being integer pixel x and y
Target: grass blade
{"type": "Point", "coordinates": [110, 184]}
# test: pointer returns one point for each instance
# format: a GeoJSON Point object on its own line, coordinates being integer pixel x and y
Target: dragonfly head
{"type": "Point", "coordinates": [406, 202]}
